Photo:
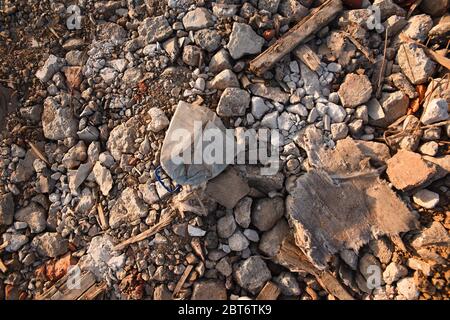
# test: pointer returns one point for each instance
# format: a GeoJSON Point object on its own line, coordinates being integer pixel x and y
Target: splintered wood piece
{"type": "Point", "coordinates": [291, 257]}
{"type": "Point", "coordinates": [312, 23]}
{"type": "Point", "coordinates": [66, 292]}
{"type": "Point", "coordinates": [3, 268]}
{"type": "Point", "coordinates": [164, 222]}
{"type": "Point", "coordinates": [93, 292]}
{"type": "Point", "coordinates": [101, 216]}
{"type": "Point", "coordinates": [308, 57]}
{"type": "Point", "coordinates": [38, 153]}
{"type": "Point", "coordinates": [182, 280]}
{"type": "Point", "coordinates": [269, 292]}
{"type": "Point", "coordinates": [4, 245]}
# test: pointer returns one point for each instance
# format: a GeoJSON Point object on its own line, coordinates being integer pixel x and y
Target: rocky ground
{"type": "Point", "coordinates": [84, 114]}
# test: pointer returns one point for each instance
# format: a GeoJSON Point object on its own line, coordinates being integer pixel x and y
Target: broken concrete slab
{"type": "Point", "coordinates": [355, 205]}
{"type": "Point", "coordinates": [355, 90]}
{"type": "Point", "coordinates": [227, 188]}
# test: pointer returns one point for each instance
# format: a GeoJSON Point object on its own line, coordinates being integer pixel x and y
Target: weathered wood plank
{"type": "Point", "coordinates": [318, 19]}
{"type": "Point", "coordinates": [308, 57]}
{"type": "Point", "coordinates": [269, 292]}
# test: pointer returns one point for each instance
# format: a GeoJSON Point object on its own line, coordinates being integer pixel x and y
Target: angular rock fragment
{"type": "Point", "coordinates": [271, 240]}
{"type": "Point", "coordinates": [228, 188]}
{"type": "Point", "coordinates": [233, 102]}
{"type": "Point", "coordinates": [225, 79]}
{"type": "Point", "coordinates": [155, 29]}
{"type": "Point", "coordinates": [435, 111]}
{"type": "Point", "coordinates": [252, 273]}
{"type": "Point", "coordinates": [50, 244]}
{"type": "Point", "coordinates": [209, 290]}
{"type": "Point", "coordinates": [103, 177]}
{"type": "Point", "coordinates": [415, 63]}
{"type": "Point", "coordinates": [34, 215]}
{"type": "Point", "coordinates": [128, 209]}
{"type": "Point", "coordinates": [52, 65]}
{"type": "Point", "coordinates": [200, 18]}
{"type": "Point", "coordinates": [394, 105]}
{"type": "Point", "coordinates": [121, 139]}
{"type": "Point", "coordinates": [244, 41]}
{"type": "Point", "coordinates": [407, 170]}
{"type": "Point", "coordinates": [355, 90]}
{"type": "Point", "coordinates": [267, 212]}
{"type": "Point", "coordinates": [158, 120]}
{"type": "Point", "coordinates": [58, 120]}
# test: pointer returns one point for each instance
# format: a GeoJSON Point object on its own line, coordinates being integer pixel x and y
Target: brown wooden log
{"type": "Point", "coordinates": [312, 23]}
{"type": "Point", "coordinates": [308, 57]}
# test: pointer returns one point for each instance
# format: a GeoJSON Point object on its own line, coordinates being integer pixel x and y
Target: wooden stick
{"type": "Point", "coordinates": [322, 16]}
{"type": "Point", "coordinates": [101, 216]}
{"type": "Point", "coordinates": [147, 233]}
{"type": "Point", "coordinates": [182, 280]}
{"type": "Point", "coordinates": [308, 57]}
{"type": "Point", "coordinates": [360, 47]}
{"type": "Point", "coordinates": [3, 268]}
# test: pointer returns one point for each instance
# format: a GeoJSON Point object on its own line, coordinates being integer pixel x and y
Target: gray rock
{"type": "Point", "coordinates": [251, 235]}
{"type": "Point", "coordinates": [155, 29]}
{"type": "Point", "coordinates": [233, 102]}
{"type": "Point", "coordinates": [298, 109]}
{"type": "Point", "coordinates": [34, 215]}
{"type": "Point", "coordinates": [58, 120]}
{"type": "Point", "coordinates": [418, 27]}
{"type": "Point", "coordinates": [355, 90]}
{"type": "Point", "coordinates": [225, 79]}
{"type": "Point", "coordinates": [103, 177]}
{"type": "Point", "coordinates": [383, 249]}
{"type": "Point", "coordinates": [288, 284]}
{"type": "Point", "coordinates": [366, 263]}
{"type": "Point", "coordinates": [244, 41]}
{"type": "Point", "coordinates": [394, 272]}
{"type": "Point", "coordinates": [430, 148]}
{"type": "Point", "coordinates": [128, 209]}
{"type": "Point", "coordinates": [132, 76]}
{"type": "Point", "coordinates": [394, 24]}
{"type": "Point", "coordinates": [259, 107]}
{"type": "Point", "coordinates": [389, 8]}
{"type": "Point", "coordinates": [436, 111]}
{"type": "Point", "coordinates": [15, 241]}
{"type": "Point", "coordinates": [211, 289]}
{"type": "Point", "coordinates": [336, 112]}
{"type": "Point", "coordinates": [407, 288]}
{"type": "Point", "coordinates": [52, 65]}
{"type": "Point", "coordinates": [24, 170]}
{"type": "Point", "coordinates": [200, 18]}
{"type": "Point", "coordinates": [122, 137]}
{"type": "Point", "coordinates": [292, 9]}
{"type": "Point", "coordinates": [339, 131]}
{"type": "Point", "coordinates": [159, 120]}
{"type": "Point", "coordinates": [226, 226]}
{"type": "Point", "coordinates": [252, 273]}
{"type": "Point", "coordinates": [286, 121]}
{"type": "Point", "coordinates": [350, 258]}
{"type": "Point", "coordinates": [149, 194]}
{"type": "Point", "coordinates": [267, 212]}
{"type": "Point", "coordinates": [269, 5]}
{"type": "Point", "coordinates": [192, 55]}
{"type": "Point", "coordinates": [50, 244]}
{"type": "Point", "coordinates": [415, 63]}
{"type": "Point", "coordinates": [224, 267]}
{"type": "Point", "coordinates": [394, 105]}
{"type": "Point", "coordinates": [312, 84]}
{"type": "Point", "coordinates": [208, 40]}
{"type": "Point", "coordinates": [242, 212]}
{"type": "Point", "coordinates": [6, 209]}
{"type": "Point", "coordinates": [426, 199]}
{"type": "Point", "coordinates": [435, 235]}
{"type": "Point", "coordinates": [220, 61]}
{"type": "Point", "coordinates": [238, 242]}
{"type": "Point", "coordinates": [270, 120]}
{"type": "Point", "coordinates": [271, 240]}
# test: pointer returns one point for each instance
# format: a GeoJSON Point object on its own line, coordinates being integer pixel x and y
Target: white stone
{"type": "Point", "coordinates": [426, 199]}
